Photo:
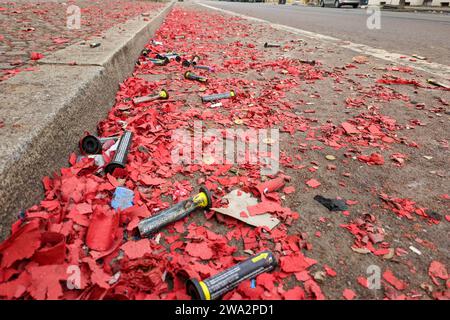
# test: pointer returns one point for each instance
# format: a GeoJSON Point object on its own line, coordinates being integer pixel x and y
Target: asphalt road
{"type": "Point", "coordinates": [425, 34]}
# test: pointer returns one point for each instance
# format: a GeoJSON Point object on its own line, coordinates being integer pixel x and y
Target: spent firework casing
{"type": "Point", "coordinates": [192, 76]}
{"type": "Point", "coordinates": [210, 69]}
{"type": "Point", "coordinates": [214, 287]}
{"type": "Point", "coordinates": [271, 45]}
{"type": "Point", "coordinates": [120, 157]}
{"type": "Point", "coordinates": [218, 96]}
{"type": "Point", "coordinates": [178, 211]}
{"type": "Point", "coordinates": [195, 60]}
{"type": "Point", "coordinates": [91, 144]}
{"type": "Point", "coordinates": [163, 94]}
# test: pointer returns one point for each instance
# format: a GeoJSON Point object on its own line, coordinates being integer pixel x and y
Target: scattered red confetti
{"type": "Point", "coordinates": [348, 294]}
{"type": "Point", "coordinates": [391, 279]}
{"type": "Point", "coordinates": [313, 183]}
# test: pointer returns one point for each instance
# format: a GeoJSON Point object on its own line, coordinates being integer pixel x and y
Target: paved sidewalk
{"type": "Point", "coordinates": [40, 27]}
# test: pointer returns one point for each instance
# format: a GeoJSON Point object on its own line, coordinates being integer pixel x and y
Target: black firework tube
{"type": "Point", "coordinates": [186, 63]}
{"type": "Point", "coordinates": [214, 287]}
{"type": "Point", "coordinates": [91, 144]}
{"type": "Point", "coordinates": [120, 157]}
{"type": "Point", "coordinates": [192, 76]}
{"type": "Point", "coordinates": [163, 94]}
{"type": "Point", "coordinates": [271, 45]}
{"type": "Point", "coordinates": [219, 96]}
{"type": "Point", "coordinates": [154, 223]}
{"type": "Point", "coordinates": [170, 55]}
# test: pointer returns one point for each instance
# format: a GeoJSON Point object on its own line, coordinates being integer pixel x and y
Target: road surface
{"type": "Point", "coordinates": [425, 34]}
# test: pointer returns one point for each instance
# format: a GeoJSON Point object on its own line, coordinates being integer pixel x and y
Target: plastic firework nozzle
{"type": "Point", "coordinates": [120, 157]}
{"type": "Point", "coordinates": [219, 284]}
{"type": "Point", "coordinates": [210, 69]}
{"type": "Point", "coordinates": [271, 45]}
{"type": "Point", "coordinates": [180, 210]}
{"type": "Point", "coordinates": [162, 95]}
{"type": "Point", "coordinates": [91, 144]}
{"type": "Point", "coordinates": [219, 96]}
{"type": "Point", "coordinates": [192, 76]}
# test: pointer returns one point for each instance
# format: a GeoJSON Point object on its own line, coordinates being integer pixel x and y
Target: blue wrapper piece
{"type": "Point", "coordinates": [122, 199]}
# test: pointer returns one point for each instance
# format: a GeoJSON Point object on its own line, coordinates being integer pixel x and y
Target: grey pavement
{"type": "Point", "coordinates": [424, 34]}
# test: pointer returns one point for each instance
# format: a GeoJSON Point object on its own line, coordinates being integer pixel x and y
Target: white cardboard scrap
{"type": "Point", "coordinates": [238, 203]}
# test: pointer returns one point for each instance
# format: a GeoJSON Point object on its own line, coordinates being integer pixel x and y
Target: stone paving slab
{"type": "Point", "coordinates": [45, 112]}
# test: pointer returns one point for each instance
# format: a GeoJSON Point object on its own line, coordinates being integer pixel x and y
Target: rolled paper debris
{"type": "Point", "coordinates": [163, 94]}
{"type": "Point", "coordinates": [192, 76]}
{"type": "Point", "coordinates": [180, 210]}
{"type": "Point", "coordinates": [219, 96]}
{"type": "Point", "coordinates": [216, 286]}
{"type": "Point", "coordinates": [271, 45]}
{"type": "Point", "coordinates": [120, 157]}
{"type": "Point", "coordinates": [91, 144]}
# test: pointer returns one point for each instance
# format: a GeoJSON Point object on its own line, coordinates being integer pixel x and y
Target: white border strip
{"type": "Point", "coordinates": [433, 68]}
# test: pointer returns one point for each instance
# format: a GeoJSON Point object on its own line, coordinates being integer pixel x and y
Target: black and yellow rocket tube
{"type": "Point", "coordinates": [120, 157]}
{"type": "Point", "coordinates": [214, 287]}
{"type": "Point", "coordinates": [163, 94]}
{"type": "Point", "coordinates": [192, 76]}
{"type": "Point", "coordinates": [91, 144]}
{"type": "Point", "coordinates": [219, 96]}
{"type": "Point", "coordinates": [152, 224]}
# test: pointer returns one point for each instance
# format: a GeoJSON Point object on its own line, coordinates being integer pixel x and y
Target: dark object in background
{"type": "Point", "coordinates": [331, 204]}
{"type": "Point", "coordinates": [214, 287]}
{"type": "Point", "coordinates": [281, 1]}
{"type": "Point", "coordinates": [433, 214]}
{"type": "Point", "coordinates": [271, 45]}
{"type": "Point", "coordinates": [120, 157]}
{"type": "Point", "coordinates": [178, 211]}
{"type": "Point", "coordinates": [310, 62]}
